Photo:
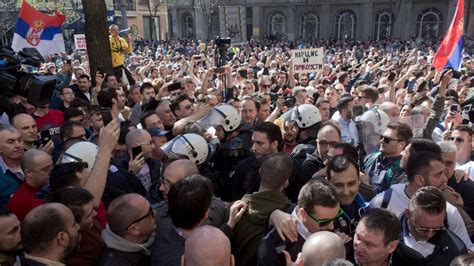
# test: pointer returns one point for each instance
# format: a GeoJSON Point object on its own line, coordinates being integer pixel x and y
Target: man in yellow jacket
{"type": "Point", "coordinates": [120, 47]}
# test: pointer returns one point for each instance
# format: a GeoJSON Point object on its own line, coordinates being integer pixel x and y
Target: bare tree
{"type": "Point", "coordinates": [208, 8]}
{"type": "Point", "coordinates": [97, 36]}
{"type": "Point", "coordinates": [153, 8]}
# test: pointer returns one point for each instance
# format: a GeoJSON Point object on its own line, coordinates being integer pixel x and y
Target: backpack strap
{"type": "Point", "coordinates": [386, 198]}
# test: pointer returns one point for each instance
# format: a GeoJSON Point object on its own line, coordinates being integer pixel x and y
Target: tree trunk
{"type": "Point", "coordinates": [97, 36]}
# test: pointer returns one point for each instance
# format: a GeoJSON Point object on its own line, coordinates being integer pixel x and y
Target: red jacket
{"type": "Point", "coordinates": [24, 200]}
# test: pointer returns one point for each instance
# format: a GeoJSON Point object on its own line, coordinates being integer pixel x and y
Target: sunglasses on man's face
{"type": "Point", "coordinates": [387, 139]}
{"type": "Point", "coordinates": [325, 222]}
{"type": "Point", "coordinates": [459, 140]}
{"type": "Point", "coordinates": [426, 230]}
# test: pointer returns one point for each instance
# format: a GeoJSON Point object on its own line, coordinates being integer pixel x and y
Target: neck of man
{"type": "Point", "coordinates": [66, 104]}
{"type": "Point", "coordinates": [114, 111]}
{"type": "Point", "coordinates": [390, 155]}
{"type": "Point", "coordinates": [7, 259]}
{"type": "Point", "coordinates": [28, 145]}
{"type": "Point", "coordinates": [378, 263]}
{"type": "Point", "coordinates": [52, 254]}
{"type": "Point", "coordinates": [262, 188]}
{"type": "Point", "coordinates": [136, 239]}
{"type": "Point", "coordinates": [411, 188]}
{"type": "Point", "coordinates": [13, 164]}
{"type": "Point", "coordinates": [185, 233]}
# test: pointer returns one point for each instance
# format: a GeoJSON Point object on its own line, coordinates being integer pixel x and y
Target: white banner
{"type": "Point", "coordinates": [80, 41]}
{"type": "Point", "coordinates": [307, 60]}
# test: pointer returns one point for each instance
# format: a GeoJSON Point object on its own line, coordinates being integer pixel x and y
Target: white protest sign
{"type": "Point", "coordinates": [80, 41]}
{"type": "Point", "coordinates": [307, 60]}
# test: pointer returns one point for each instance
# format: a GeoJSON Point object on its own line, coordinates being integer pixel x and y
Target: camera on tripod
{"type": "Point", "coordinates": [37, 88]}
{"type": "Point", "coordinates": [222, 41]}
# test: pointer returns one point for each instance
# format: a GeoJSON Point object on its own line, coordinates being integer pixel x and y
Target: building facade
{"type": "Point", "coordinates": [314, 19]}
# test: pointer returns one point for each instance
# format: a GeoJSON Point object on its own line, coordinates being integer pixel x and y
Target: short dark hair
{"type": "Point", "coordinates": [38, 232]}
{"type": "Point", "coordinates": [78, 102]}
{"type": "Point", "coordinates": [422, 144]}
{"type": "Point", "coordinates": [105, 96]}
{"type": "Point", "coordinates": [429, 199]}
{"type": "Point", "coordinates": [465, 128]}
{"type": "Point", "coordinates": [275, 170]}
{"type": "Point", "coordinates": [188, 200]}
{"type": "Point", "coordinates": [72, 112]}
{"type": "Point", "coordinates": [144, 86]}
{"type": "Point", "coordinates": [419, 163]}
{"type": "Point", "coordinates": [347, 149]}
{"type": "Point", "coordinates": [145, 115]}
{"type": "Point", "coordinates": [404, 131]}
{"type": "Point", "coordinates": [317, 192]}
{"type": "Point", "coordinates": [330, 123]}
{"type": "Point", "coordinates": [174, 106]}
{"type": "Point", "coordinates": [383, 221]}
{"type": "Point", "coordinates": [66, 129]}
{"type": "Point", "coordinates": [64, 175]}
{"type": "Point", "coordinates": [106, 78]}
{"type": "Point", "coordinates": [272, 131]}
{"type": "Point", "coordinates": [84, 76]}
{"type": "Point", "coordinates": [74, 198]}
{"type": "Point", "coordinates": [339, 164]}
{"type": "Point", "coordinates": [371, 92]}
{"type": "Point", "coordinates": [344, 102]}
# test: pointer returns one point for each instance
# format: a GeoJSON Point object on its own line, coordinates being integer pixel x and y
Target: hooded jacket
{"type": "Point", "coordinates": [120, 251]}
{"type": "Point", "coordinates": [250, 229]}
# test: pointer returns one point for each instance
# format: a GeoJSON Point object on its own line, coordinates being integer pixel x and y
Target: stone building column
{"type": "Point", "coordinates": [257, 18]}
{"type": "Point", "coordinates": [325, 26]}
{"type": "Point", "coordinates": [291, 22]}
{"type": "Point", "coordinates": [365, 21]}
{"type": "Point", "coordinates": [243, 23]}
{"type": "Point", "coordinates": [175, 23]}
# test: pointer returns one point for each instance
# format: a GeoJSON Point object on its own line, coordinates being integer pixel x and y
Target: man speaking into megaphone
{"type": "Point", "coordinates": [120, 47]}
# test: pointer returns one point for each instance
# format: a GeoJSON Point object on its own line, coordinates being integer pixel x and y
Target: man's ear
{"type": "Point", "coordinates": [232, 260]}
{"type": "Point", "coordinates": [274, 145]}
{"type": "Point", "coordinates": [183, 260]}
{"type": "Point", "coordinates": [419, 180]}
{"type": "Point", "coordinates": [392, 246]}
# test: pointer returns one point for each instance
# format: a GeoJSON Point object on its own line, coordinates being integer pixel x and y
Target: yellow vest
{"type": "Point", "coordinates": [119, 48]}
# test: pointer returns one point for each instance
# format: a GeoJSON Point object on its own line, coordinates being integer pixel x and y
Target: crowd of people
{"type": "Point", "coordinates": [203, 153]}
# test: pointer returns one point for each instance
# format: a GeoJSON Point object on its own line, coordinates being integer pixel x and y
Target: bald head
{"type": "Point", "coordinates": [322, 246]}
{"type": "Point", "coordinates": [207, 246]}
{"type": "Point", "coordinates": [31, 158]}
{"type": "Point", "coordinates": [136, 136]}
{"type": "Point", "coordinates": [181, 168]}
{"type": "Point", "coordinates": [391, 109]}
{"type": "Point", "coordinates": [122, 211]}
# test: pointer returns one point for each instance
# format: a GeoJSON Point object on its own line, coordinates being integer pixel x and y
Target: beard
{"type": "Point", "coordinates": [73, 246]}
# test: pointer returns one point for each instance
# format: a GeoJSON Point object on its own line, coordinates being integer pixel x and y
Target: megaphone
{"type": "Point", "coordinates": [132, 30]}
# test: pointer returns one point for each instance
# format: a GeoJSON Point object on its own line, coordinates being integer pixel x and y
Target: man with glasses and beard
{"type": "Point", "coordinates": [317, 210]}
{"type": "Point", "coordinates": [10, 238]}
{"type": "Point", "coordinates": [424, 228]}
{"type": "Point", "coordinates": [130, 233]}
{"type": "Point", "coordinates": [50, 235]}
{"type": "Point", "coordinates": [383, 167]}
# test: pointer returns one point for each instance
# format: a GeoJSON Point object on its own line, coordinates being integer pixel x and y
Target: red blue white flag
{"type": "Point", "coordinates": [449, 53]}
{"type": "Point", "coordinates": [38, 30]}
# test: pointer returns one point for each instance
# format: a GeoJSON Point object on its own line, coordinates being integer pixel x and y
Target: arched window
{"type": "Point", "coordinates": [346, 24]}
{"type": "Point", "coordinates": [188, 26]}
{"type": "Point", "coordinates": [429, 23]}
{"type": "Point", "coordinates": [309, 25]}
{"type": "Point", "coordinates": [276, 24]}
{"type": "Point", "coordinates": [383, 24]}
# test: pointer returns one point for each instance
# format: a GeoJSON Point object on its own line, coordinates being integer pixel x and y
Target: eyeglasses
{"type": "Point", "coordinates": [149, 213]}
{"type": "Point", "coordinates": [426, 230]}
{"type": "Point", "coordinates": [144, 143]}
{"type": "Point", "coordinates": [326, 143]}
{"type": "Point", "coordinates": [265, 85]}
{"type": "Point", "coordinates": [460, 140]}
{"type": "Point", "coordinates": [324, 222]}
{"type": "Point", "coordinates": [187, 107]}
{"type": "Point", "coordinates": [387, 139]}
{"type": "Point", "coordinates": [165, 182]}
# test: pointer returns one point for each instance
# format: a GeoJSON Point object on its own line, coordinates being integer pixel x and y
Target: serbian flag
{"type": "Point", "coordinates": [449, 53]}
{"type": "Point", "coordinates": [38, 30]}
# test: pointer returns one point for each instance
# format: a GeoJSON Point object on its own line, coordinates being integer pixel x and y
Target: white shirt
{"type": "Point", "coordinates": [399, 201]}
{"type": "Point", "coordinates": [468, 168]}
{"type": "Point", "coordinates": [425, 248]}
